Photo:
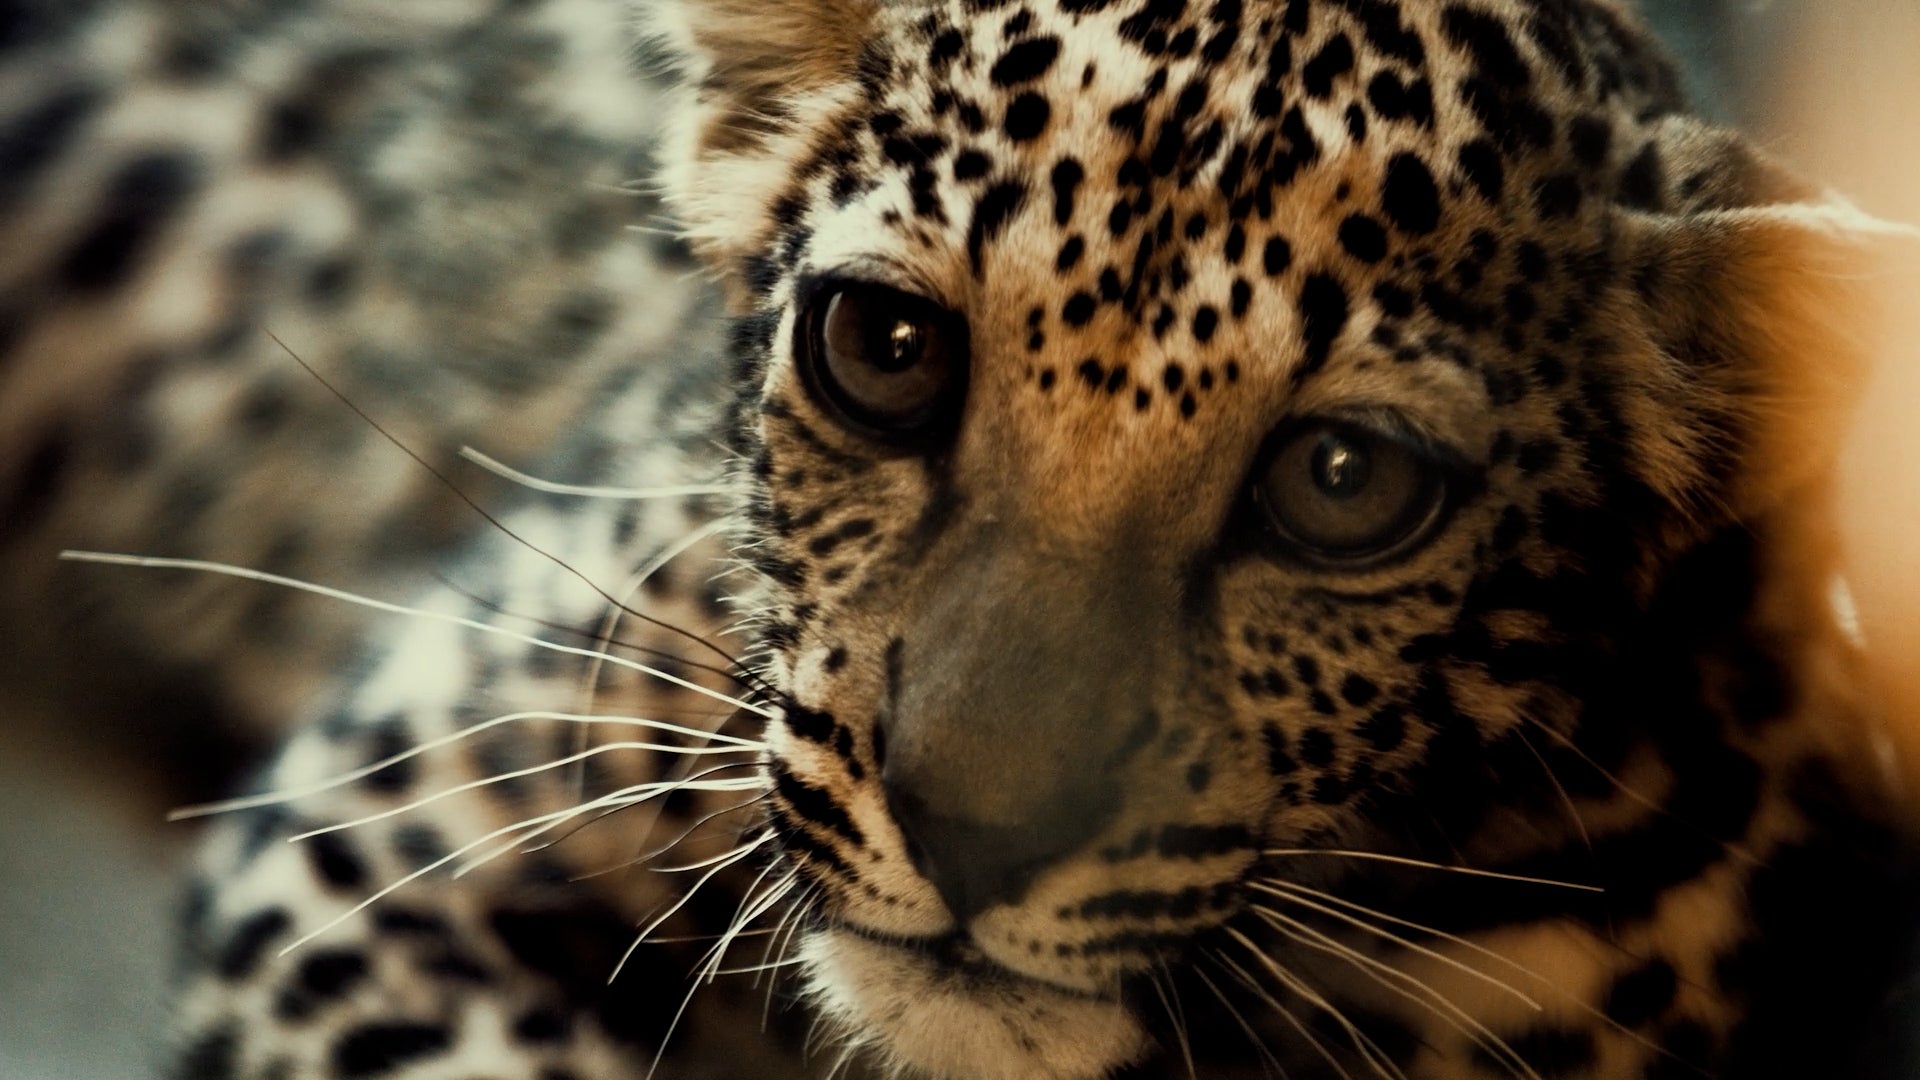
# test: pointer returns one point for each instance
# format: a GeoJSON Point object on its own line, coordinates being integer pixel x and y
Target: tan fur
{"type": "Point", "coordinates": [759, 78]}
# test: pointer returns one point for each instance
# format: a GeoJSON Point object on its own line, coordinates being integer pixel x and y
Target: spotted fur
{"type": "Point", "coordinates": [1057, 758]}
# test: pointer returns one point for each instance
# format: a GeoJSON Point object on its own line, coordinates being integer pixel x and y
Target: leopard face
{"type": "Point", "coordinates": [1181, 438]}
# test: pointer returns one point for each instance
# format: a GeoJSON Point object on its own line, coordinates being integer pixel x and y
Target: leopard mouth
{"type": "Point", "coordinates": [956, 956]}
{"type": "Point", "coordinates": [941, 1006]}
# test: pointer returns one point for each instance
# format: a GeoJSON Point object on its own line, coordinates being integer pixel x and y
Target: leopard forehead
{"type": "Point", "coordinates": [1159, 166]}
{"type": "Point", "coordinates": [1158, 202]}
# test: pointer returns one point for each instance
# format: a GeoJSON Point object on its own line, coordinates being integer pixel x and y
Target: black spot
{"type": "Point", "coordinates": [1385, 729]}
{"type": "Point", "coordinates": [944, 49]}
{"type": "Point", "coordinates": [1557, 196]}
{"type": "Point", "coordinates": [1410, 199]}
{"type": "Point", "coordinates": [1070, 253]}
{"type": "Point", "coordinates": [1205, 320]}
{"type": "Point", "coordinates": [1363, 238]}
{"type": "Point", "coordinates": [1537, 455]}
{"type": "Point", "coordinates": [1276, 256]}
{"type": "Point", "coordinates": [1485, 39]}
{"type": "Point", "coordinates": [1334, 59]}
{"type": "Point", "coordinates": [1078, 310]}
{"type": "Point", "coordinates": [1591, 137]}
{"type": "Point", "coordinates": [1393, 300]}
{"type": "Point", "coordinates": [247, 946]}
{"type": "Point", "coordinates": [1199, 775]}
{"type": "Point", "coordinates": [990, 215]}
{"type": "Point", "coordinates": [1395, 100]}
{"type": "Point", "coordinates": [1066, 178]}
{"type": "Point", "coordinates": [1025, 61]}
{"type": "Point", "coordinates": [1480, 163]}
{"type": "Point", "coordinates": [213, 1055]}
{"type": "Point", "coordinates": [542, 1026]}
{"type": "Point", "coordinates": [1642, 994]}
{"type": "Point", "coordinates": [332, 972]}
{"type": "Point", "coordinates": [1358, 691]}
{"type": "Point", "coordinates": [292, 128]}
{"type": "Point", "coordinates": [1027, 117]}
{"type": "Point", "coordinates": [141, 201]}
{"type": "Point", "coordinates": [374, 1049]}
{"type": "Point", "coordinates": [1642, 182]}
{"type": "Point", "coordinates": [970, 165]}
{"type": "Point", "coordinates": [1323, 311]}
{"type": "Point", "coordinates": [47, 461]}
{"type": "Point", "coordinates": [40, 135]}
{"type": "Point", "coordinates": [1316, 747]}
{"type": "Point", "coordinates": [334, 861]}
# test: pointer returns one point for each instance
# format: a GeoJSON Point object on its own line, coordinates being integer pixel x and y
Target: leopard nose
{"type": "Point", "coordinates": [974, 865]}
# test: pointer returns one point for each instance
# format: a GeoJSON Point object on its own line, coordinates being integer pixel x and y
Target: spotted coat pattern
{"type": "Point", "coordinates": [1043, 750]}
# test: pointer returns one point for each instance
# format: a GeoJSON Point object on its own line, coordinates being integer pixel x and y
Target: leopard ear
{"type": "Point", "coordinates": [759, 82]}
{"type": "Point", "coordinates": [1768, 303]}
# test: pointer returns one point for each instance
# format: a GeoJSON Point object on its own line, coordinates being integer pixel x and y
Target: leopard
{"type": "Point", "coordinates": [1230, 539]}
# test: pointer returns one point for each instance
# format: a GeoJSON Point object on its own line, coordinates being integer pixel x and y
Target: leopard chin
{"type": "Point", "coordinates": [921, 1017]}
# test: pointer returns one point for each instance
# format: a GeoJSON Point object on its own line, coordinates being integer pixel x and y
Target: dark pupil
{"type": "Point", "coordinates": [1340, 469]}
{"type": "Point", "coordinates": [900, 346]}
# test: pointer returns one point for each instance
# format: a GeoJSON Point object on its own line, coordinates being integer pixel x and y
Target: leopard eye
{"type": "Point", "coordinates": [1341, 495]}
{"type": "Point", "coordinates": [886, 363]}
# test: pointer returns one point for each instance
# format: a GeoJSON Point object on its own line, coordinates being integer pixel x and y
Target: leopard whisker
{"type": "Point", "coordinates": [693, 987]}
{"type": "Point", "coordinates": [1177, 1018]}
{"type": "Point", "coordinates": [1566, 742]}
{"type": "Point", "coordinates": [745, 679]}
{"type": "Point", "coordinates": [1259, 1044]}
{"type": "Point", "coordinates": [1490, 954]}
{"type": "Point", "coordinates": [1381, 972]}
{"type": "Point", "coordinates": [682, 837]}
{"type": "Point", "coordinates": [272, 798]}
{"type": "Point", "coordinates": [586, 491]}
{"type": "Point", "coordinates": [590, 680]}
{"type": "Point", "coordinates": [515, 774]}
{"type": "Point", "coordinates": [1566, 800]}
{"type": "Point", "coordinates": [761, 968]}
{"type": "Point", "coordinates": [247, 574]}
{"type": "Point", "coordinates": [390, 888]}
{"type": "Point", "coordinates": [790, 923]}
{"type": "Point", "coordinates": [751, 909]}
{"type": "Point", "coordinates": [1283, 890]}
{"type": "Point", "coordinates": [708, 966]}
{"type": "Point", "coordinates": [1403, 860]}
{"type": "Point", "coordinates": [1362, 1042]}
{"type": "Point", "coordinates": [616, 800]}
{"type": "Point", "coordinates": [729, 859]}
{"type": "Point", "coordinates": [486, 515]}
{"type": "Point", "coordinates": [1263, 994]}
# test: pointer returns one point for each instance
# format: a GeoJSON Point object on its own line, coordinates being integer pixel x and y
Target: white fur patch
{"type": "Point", "coordinates": [922, 1021]}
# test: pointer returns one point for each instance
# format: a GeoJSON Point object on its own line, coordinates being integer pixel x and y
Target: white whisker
{"type": "Point", "coordinates": [229, 570]}
{"type": "Point", "coordinates": [1259, 1044]}
{"type": "Point", "coordinates": [1284, 892]}
{"type": "Point", "coordinates": [1246, 979]}
{"type": "Point", "coordinates": [1178, 1020]}
{"type": "Point", "coordinates": [1404, 861]}
{"type": "Point", "coordinates": [507, 472]}
{"type": "Point", "coordinates": [270, 798]}
{"type": "Point", "coordinates": [1381, 972]}
{"type": "Point", "coordinates": [616, 800]}
{"type": "Point", "coordinates": [531, 770]}
{"type": "Point", "coordinates": [1362, 1042]}
{"type": "Point", "coordinates": [731, 858]}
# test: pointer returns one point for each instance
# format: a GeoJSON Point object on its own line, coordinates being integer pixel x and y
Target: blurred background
{"type": "Point", "coordinates": [88, 869]}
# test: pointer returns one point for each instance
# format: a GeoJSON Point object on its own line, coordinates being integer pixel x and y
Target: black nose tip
{"type": "Point", "coordinates": [973, 866]}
